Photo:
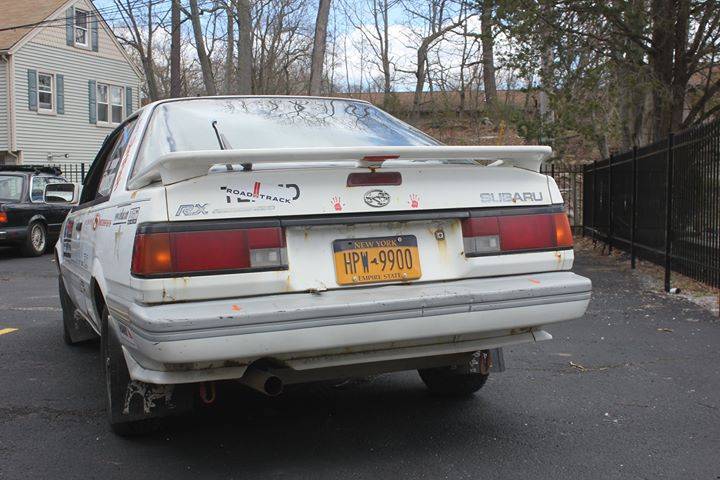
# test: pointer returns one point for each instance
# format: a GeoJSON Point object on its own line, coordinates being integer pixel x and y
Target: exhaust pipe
{"type": "Point", "coordinates": [262, 381]}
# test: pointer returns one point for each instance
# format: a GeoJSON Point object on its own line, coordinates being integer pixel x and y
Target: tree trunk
{"type": "Point", "coordinates": [661, 62]}
{"type": "Point", "coordinates": [205, 65]}
{"type": "Point", "coordinates": [420, 74]}
{"type": "Point", "coordinates": [488, 54]}
{"type": "Point", "coordinates": [385, 50]}
{"type": "Point", "coordinates": [244, 77]}
{"type": "Point", "coordinates": [175, 39]}
{"type": "Point", "coordinates": [318, 52]}
{"type": "Point", "coordinates": [229, 86]}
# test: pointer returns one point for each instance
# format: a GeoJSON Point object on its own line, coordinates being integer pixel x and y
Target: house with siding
{"type": "Point", "coordinates": [65, 81]}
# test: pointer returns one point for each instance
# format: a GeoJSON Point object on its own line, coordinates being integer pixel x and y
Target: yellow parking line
{"type": "Point", "coordinates": [3, 331]}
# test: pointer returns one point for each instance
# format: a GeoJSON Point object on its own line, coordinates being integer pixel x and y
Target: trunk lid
{"type": "Point", "coordinates": [324, 190]}
{"type": "Point", "coordinates": [316, 208]}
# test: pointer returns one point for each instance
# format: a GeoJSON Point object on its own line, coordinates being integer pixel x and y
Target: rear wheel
{"type": "Point", "coordinates": [36, 241]}
{"type": "Point", "coordinates": [453, 381]}
{"type": "Point", "coordinates": [126, 415]}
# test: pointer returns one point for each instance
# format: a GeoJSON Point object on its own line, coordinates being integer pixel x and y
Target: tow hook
{"type": "Point", "coordinates": [207, 393]}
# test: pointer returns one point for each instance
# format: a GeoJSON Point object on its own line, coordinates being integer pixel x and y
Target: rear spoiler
{"type": "Point", "coordinates": [178, 166]}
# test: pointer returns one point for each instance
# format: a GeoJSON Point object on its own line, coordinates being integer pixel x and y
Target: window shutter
{"type": "Point", "coordinates": [92, 101]}
{"type": "Point", "coordinates": [60, 94]}
{"type": "Point", "coordinates": [128, 101]}
{"type": "Point", "coordinates": [32, 90]}
{"type": "Point", "coordinates": [94, 33]}
{"type": "Point", "coordinates": [69, 26]}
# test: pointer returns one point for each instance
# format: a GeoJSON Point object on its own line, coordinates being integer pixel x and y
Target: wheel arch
{"type": "Point", "coordinates": [98, 291]}
{"type": "Point", "coordinates": [38, 218]}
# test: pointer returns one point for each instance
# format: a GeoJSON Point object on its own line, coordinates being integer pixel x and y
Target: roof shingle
{"type": "Point", "coordinates": [19, 12]}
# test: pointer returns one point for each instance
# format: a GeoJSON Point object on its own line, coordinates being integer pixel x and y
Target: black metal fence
{"type": "Point", "coordinates": [569, 179]}
{"type": "Point", "coordinates": [73, 172]}
{"type": "Point", "coordinates": [661, 202]}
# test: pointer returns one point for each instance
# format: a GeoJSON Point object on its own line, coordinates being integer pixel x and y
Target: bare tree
{"type": "Point", "coordinates": [372, 19]}
{"type": "Point", "coordinates": [436, 18]}
{"type": "Point", "coordinates": [245, 46]}
{"type": "Point", "coordinates": [320, 42]}
{"type": "Point", "coordinates": [176, 39]}
{"type": "Point", "coordinates": [141, 25]}
{"type": "Point", "coordinates": [230, 73]}
{"type": "Point", "coordinates": [203, 57]}
{"type": "Point", "coordinates": [487, 36]}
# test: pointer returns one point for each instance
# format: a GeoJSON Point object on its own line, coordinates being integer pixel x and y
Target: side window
{"type": "Point", "coordinates": [113, 160]}
{"type": "Point", "coordinates": [37, 192]}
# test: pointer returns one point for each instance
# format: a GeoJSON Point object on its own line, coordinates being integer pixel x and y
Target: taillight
{"type": "Point", "coordinates": [516, 233]}
{"type": "Point", "coordinates": [178, 253]}
{"type": "Point", "coordinates": [3, 217]}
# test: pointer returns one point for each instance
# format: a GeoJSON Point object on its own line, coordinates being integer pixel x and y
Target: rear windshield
{"type": "Point", "coordinates": [271, 123]}
{"type": "Point", "coordinates": [11, 187]}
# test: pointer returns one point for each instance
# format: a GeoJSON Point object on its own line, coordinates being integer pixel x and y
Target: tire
{"type": "Point", "coordinates": [117, 381]}
{"type": "Point", "coordinates": [75, 330]}
{"type": "Point", "coordinates": [452, 381]}
{"type": "Point", "coordinates": [36, 242]}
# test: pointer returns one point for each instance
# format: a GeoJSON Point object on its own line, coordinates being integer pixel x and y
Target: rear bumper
{"type": "Point", "coordinates": [10, 235]}
{"type": "Point", "coordinates": [188, 342]}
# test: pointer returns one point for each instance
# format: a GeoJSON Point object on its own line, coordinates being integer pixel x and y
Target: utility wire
{"type": "Point", "coordinates": [61, 22]}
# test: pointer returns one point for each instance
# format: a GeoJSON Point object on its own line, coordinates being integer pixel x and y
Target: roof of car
{"type": "Point", "coordinates": [180, 99]}
{"type": "Point", "coordinates": [31, 169]}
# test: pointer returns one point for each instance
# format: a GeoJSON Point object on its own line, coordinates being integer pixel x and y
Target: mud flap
{"type": "Point", "coordinates": [79, 330]}
{"type": "Point", "coordinates": [146, 400]}
{"type": "Point", "coordinates": [483, 362]}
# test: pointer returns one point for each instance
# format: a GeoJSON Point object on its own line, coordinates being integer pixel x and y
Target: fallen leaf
{"type": "Point", "coordinates": [578, 366]}
{"type": "Point", "coordinates": [668, 330]}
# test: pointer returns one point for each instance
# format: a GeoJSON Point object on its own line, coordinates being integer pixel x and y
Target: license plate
{"type": "Point", "coordinates": [379, 259]}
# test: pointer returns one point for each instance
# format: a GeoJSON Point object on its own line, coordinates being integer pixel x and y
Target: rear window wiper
{"type": "Point", "coordinates": [225, 145]}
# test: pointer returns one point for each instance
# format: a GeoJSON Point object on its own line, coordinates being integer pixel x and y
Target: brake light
{"type": "Point", "coordinates": [515, 233]}
{"type": "Point", "coordinates": [177, 253]}
{"type": "Point", "coordinates": [371, 179]}
{"type": "Point", "coordinates": [3, 217]}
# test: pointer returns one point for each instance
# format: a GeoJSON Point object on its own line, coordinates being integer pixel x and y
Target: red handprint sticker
{"type": "Point", "coordinates": [414, 201]}
{"type": "Point", "coordinates": [337, 203]}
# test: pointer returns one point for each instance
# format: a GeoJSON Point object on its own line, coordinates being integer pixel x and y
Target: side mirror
{"type": "Point", "coordinates": [61, 193]}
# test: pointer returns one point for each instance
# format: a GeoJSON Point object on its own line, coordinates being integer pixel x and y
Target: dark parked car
{"type": "Point", "coordinates": [26, 219]}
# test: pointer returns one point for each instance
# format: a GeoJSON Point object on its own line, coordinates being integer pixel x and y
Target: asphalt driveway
{"type": "Point", "coordinates": [630, 391]}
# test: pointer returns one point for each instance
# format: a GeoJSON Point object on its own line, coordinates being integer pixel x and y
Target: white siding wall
{"type": "Point", "coordinates": [4, 140]}
{"type": "Point", "coordinates": [40, 135]}
{"type": "Point", "coordinates": [54, 36]}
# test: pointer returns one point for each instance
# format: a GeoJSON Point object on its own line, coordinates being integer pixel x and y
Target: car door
{"type": "Point", "coordinates": [75, 266]}
{"type": "Point", "coordinates": [92, 216]}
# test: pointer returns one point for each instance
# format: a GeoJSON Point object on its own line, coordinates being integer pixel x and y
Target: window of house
{"type": "Point", "coordinates": [81, 28]}
{"type": "Point", "coordinates": [45, 91]}
{"type": "Point", "coordinates": [109, 104]}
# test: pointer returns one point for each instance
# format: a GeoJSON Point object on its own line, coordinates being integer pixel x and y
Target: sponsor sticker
{"type": "Point", "coordinates": [284, 193]}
